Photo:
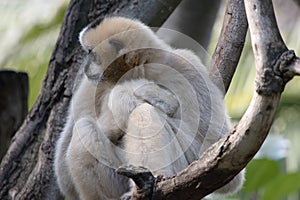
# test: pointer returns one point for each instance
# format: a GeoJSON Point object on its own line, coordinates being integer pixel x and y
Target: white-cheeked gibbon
{"type": "Point", "coordinates": [142, 103]}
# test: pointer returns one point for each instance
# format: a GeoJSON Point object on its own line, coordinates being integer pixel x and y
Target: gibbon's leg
{"type": "Point", "coordinates": [80, 105]}
{"type": "Point", "coordinates": [81, 146]}
{"type": "Point", "coordinates": [218, 131]}
{"type": "Point", "coordinates": [151, 142]}
{"type": "Point", "coordinates": [61, 169]}
{"type": "Point", "coordinates": [91, 157]}
{"type": "Point", "coordinates": [158, 133]}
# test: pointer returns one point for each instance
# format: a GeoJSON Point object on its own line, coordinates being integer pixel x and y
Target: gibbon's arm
{"type": "Point", "coordinates": [81, 105]}
{"type": "Point", "coordinates": [126, 96]}
{"type": "Point", "coordinates": [78, 141]}
{"type": "Point", "coordinates": [61, 168]}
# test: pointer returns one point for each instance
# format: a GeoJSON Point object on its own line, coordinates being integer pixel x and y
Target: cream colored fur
{"type": "Point", "coordinates": [162, 113]}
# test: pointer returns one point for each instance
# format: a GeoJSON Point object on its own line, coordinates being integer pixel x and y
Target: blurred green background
{"type": "Point", "coordinates": [29, 30]}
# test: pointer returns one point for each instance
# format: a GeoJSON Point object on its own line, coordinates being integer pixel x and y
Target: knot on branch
{"type": "Point", "coordinates": [274, 78]}
{"type": "Point", "coordinates": [282, 65]}
{"type": "Point", "coordinates": [143, 179]}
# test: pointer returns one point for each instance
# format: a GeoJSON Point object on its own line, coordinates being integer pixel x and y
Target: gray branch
{"type": "Point", "coordinates": [143, 179]}
{"type": "Point", "coordinates": [227, 157]}
{"type": "Point", "coordinates": [26, 170]}
{"type": "Point", "coordinates": [230, 45]}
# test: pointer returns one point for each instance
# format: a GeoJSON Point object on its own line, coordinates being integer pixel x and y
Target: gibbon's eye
{"type": "Point", "coordinates": [118, 45]}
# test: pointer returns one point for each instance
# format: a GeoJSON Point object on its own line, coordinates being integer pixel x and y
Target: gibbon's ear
{"type": "Point", "coordinates": [117, 45]}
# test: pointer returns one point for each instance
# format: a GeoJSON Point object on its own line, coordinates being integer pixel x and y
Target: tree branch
{"type": "Point", "coordinates": [143, 179]}
{"type": "Point", "coordinates": [227, 157]}
{"type": "Point", "coordinates": [32, 148]}
{"type": "Point", "coordinates": [230, 45]}
{"type": "Point", "coordinates": [274, 61]}
{"type": "Point", "coordinates": [26, 170]}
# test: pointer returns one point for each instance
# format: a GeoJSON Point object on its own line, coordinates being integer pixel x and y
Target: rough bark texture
{"type": "Point", "coordinates": [229, 155]}
{"type": "Point", "coordinates": [230, 45]}
{"type": "Point", "coordinates": [268, 49]}
{"type": "Point", "coordinates": [13, 105]}
{"type": "Point", "coordinates": [26, 170]}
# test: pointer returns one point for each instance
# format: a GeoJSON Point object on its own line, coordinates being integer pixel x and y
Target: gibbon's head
{"type": "Point", "coordinates": [112, 37]}
{"type": "Point", "coordinates": [119, 31]}
{"type": "Point", "coordinates": [108, 29]}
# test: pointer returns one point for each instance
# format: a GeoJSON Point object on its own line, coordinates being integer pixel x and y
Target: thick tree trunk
{"type": "Point", "coordinates": [13, 105]}
{"type": "Point", "coordinates": [26, 170]}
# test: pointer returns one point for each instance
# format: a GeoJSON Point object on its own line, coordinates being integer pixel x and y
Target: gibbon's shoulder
{"type": "Point", "coordinates": [99, 31]}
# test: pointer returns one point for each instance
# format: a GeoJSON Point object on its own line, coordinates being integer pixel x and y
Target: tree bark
{"type": "Point", "coordinates": [230, 45]}
{"type": "Point", "coordinates": [13, 105]}
{"type": "Point", "coordinates": [26, 170]}
{"type": "Point", "coordinates": [275, 67]}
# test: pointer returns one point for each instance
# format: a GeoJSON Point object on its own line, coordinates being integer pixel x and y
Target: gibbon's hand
{"type": "Point", "coordinates": [159, 97]}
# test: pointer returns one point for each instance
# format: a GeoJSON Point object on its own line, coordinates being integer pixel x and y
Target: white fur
{"type": "Point", "coordinates": [162, 114]}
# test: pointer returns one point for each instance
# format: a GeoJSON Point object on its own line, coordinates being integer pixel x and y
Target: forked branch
{"type": "Point", "coordinates": [275, 66]}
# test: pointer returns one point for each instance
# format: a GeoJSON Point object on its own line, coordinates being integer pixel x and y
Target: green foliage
{"type": "Point", "coordinates": [40, 29]}
{"type": "Point", "coordinates": [259, 173]}
{"type": "Point", "coordinates": [33, 50]}
{"type": "Point", "coordinates": [265, 180]}
{"type": "Point", "coordinates": [282, 185]}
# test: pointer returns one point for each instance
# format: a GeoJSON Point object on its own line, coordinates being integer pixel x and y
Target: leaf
{"type": "Point", "coordinates": [260, 172]}
{"type": "Point", "coordinates": [282, 186]}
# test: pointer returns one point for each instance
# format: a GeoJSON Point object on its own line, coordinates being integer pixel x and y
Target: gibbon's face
{"type": "Point", "coordinates": [114, 38]}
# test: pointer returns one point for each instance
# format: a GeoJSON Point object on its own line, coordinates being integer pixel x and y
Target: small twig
{"type": "Point", "coordinates": [285, 65]}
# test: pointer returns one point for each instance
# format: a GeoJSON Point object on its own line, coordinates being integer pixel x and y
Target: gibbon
{"type": "Point", "coordinates": [141, 102]}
